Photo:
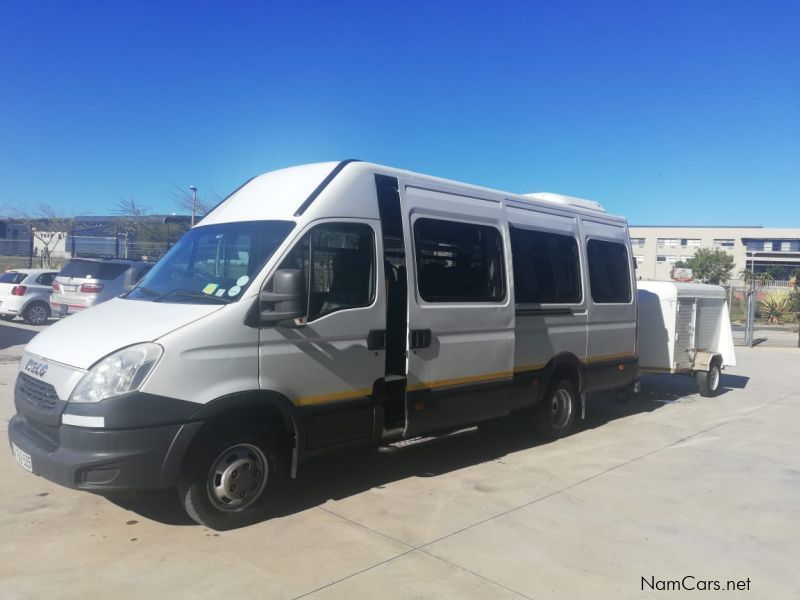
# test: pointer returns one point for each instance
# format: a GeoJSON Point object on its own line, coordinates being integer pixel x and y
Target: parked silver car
{"type": "Point", "coordinates": [26, 293]}
{"type": "Point", "coordinates": [84, 282]}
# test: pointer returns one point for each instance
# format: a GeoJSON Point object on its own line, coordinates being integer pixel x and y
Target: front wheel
{"type": "Point", "coordinates": [708, 381]}
{"type": "Point", "coordinates": [36, 313]}
{"type": "Point", "coordinates": [558, 412]}
{"type": "Point", "coordinates": [229, 479]}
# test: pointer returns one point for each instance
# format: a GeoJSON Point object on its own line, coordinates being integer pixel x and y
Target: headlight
{"type": "Point", "coordinates": [118, 373]}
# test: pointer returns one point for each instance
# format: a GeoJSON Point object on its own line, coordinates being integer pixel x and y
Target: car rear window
{"type": "Point", "coordinates": [90, 269]}
{"type": "Point", "coordinates": [12, 277]}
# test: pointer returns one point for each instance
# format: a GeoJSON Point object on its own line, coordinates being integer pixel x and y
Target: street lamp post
{"type": "Point", "coordinates": [194, 201]}
{"type": "Point", "coordinates": [751, 305]}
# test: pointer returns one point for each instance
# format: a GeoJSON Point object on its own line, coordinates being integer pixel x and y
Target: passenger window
{"type": "Point", "coordinates": [342, 272]}
{"type": "Point", "coordinates": [46, 278]}
{"type": "Point", "coordinates": [546, 267]}
{"type": "Point", "coordinates": [458, 262]}
{"type": "Point", "coordinates": [609, 275]}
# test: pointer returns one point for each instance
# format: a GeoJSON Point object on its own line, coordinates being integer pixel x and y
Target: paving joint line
{"type": "Point", "coordinates": [421, 547]}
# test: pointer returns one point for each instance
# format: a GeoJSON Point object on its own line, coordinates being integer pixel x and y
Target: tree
{"type": "Point", "coordinates": [186, 200]}
{"type": "Point", "coordinates": [710, 266]}
{"type": "Point", "coordinates": [134, 214]}
{"type": "Point", "coordinates": [48, 232]}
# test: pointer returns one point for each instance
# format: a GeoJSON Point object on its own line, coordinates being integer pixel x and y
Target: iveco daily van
{"type": "Point", "coordinates": [329, 306]}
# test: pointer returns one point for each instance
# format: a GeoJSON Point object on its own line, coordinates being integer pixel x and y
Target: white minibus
{"type": "Point", "coordinates": [322, 307]}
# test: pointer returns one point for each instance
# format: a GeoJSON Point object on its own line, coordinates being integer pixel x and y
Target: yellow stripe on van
{"type": "Point", "coordinates": [349, 395]}
{"type": "Point", "coordinates": [604, 357]}
{"type": "Point", "coordinates": [429, 385]}
{"type": "Point", "coordinates": [426, 385]}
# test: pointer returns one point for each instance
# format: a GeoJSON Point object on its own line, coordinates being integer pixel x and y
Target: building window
{"type": "Point", "coordinates": [546, 267]}
{"type": "Point", "coordinates": [725, 244]}
{"type": "Point", "coordinates": [690, 243]}
{"type": "Point", "coordinates": [667, 242]}
{"type": "Point", "coordinates": [609, 275]}
{"type": "Point", "coordinates": [458, 262]}
{"type": "Point", "coordinates": [639, 259]}
{"type": "Point", "coordinates": [637, 241]}
{"type": "Point", "coordinates": [786, 246]}
{"type": "Point", "coordinates": [776, 246]}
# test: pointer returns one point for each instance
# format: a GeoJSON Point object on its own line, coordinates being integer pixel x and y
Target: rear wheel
{"type": "Point", "coordinates": [229, 478]}
{"type": "Point", "coordinates": [708, 381]}
{"type": "Point", "coordinates": [36, 313]}
{"type": "Point", "coordinates": [557, 413]}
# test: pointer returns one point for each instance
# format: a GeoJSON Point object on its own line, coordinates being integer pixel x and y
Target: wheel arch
{"type": "Point", "coordinates": [565, 364]}
{"type": "Point", "coordinates": [246, 405]}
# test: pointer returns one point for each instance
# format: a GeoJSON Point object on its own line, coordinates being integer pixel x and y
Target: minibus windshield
{"type": "Point", "coordinates": [212, 264]}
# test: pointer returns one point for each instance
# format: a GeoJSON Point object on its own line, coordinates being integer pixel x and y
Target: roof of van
{"type": "Point", "coordinates": [287, 193]}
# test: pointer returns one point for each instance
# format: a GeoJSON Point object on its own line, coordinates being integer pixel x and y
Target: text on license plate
{"type": "Point", "coordinates": [23, 458]}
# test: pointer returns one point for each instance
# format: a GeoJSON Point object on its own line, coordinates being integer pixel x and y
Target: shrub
{"type": "Point", "coordinates": [776, 308]}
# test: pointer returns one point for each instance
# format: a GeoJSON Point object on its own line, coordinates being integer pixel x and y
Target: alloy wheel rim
{"type": "Point", "coordinates": [37, 314]}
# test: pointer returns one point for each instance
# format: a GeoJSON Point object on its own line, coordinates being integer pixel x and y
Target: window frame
{"type": "Point", "coordinates": [502, 300]}
{"type": "Point", "coordinates": [631, 273]}
{"type": "Point", "coordinates": [309, 231]}
{"type": "Point", "coordinates": [571, 235]}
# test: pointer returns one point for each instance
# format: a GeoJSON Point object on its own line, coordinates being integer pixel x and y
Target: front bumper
{"type": "Point", "coordinates": [97, 459]}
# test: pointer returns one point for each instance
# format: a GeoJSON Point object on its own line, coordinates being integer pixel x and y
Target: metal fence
{"type": "Point", "coordinates": [26, 253]}
{"type": "Point", "coordinates": [772, 318]}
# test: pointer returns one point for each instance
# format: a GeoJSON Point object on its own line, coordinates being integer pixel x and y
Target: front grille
{"type": "Point", "coordinates": [38, 393]}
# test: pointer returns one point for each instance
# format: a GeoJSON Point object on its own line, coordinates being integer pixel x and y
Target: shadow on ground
{"type": "Point", "coordinates": [13, 336]}
{"type": "Point", "coordinates": [349, 473]}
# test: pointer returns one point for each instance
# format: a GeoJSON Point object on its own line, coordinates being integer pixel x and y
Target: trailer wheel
{"type": "Point", "coordinates": [708, 381]}
{"type": "Point", "coordinates": [230, 477]}
{"type": "Point", "coordinates": [558, 412]}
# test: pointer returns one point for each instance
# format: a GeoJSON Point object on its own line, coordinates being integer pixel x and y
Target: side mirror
{"type": "Point", "coordinates": [288, 297]}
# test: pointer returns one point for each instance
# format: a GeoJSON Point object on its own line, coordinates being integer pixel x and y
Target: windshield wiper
{"type": "Point", "coordinates": [192, 294]}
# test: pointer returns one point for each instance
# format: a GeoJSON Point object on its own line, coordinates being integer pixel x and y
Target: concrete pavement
{"type": "Point", "coordinates": [666, 485]}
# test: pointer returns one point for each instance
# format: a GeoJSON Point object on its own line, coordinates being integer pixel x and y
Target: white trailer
{"type": "Point", "coordinates": [685, 328]}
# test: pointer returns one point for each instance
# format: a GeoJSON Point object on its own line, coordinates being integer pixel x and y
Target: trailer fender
{"type": "Point", "coordinates": [703, 360]}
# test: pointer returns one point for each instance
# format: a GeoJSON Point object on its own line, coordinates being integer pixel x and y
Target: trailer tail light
{"type": "Point", "coordinates": [19, 290]}
{"type": "Point", "coordinates": [91, 288]}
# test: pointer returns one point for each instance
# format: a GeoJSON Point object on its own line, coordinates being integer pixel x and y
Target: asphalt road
{"type": "Point", "coordinates": [664, 486]}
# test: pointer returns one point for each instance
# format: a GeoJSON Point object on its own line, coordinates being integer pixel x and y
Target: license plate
{"type": "Point", "coordinates": [23, 458]}
{"type": "Point", "coordinates": [69, 288]}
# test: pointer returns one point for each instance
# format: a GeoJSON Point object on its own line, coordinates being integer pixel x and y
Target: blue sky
{"type": "Point", "coordinates": [667, 112]}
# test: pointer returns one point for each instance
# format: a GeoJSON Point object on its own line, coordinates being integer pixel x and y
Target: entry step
{"type": "Point", "coordinates": [395, 447]}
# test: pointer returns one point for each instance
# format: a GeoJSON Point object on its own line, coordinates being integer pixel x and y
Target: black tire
{"type": "Point", "coordinates": [231, 451]}
{"type": "Point", "coordinates": [36, 313]}
{"type": "Point", "coordinates": [557, 414]}
{"type": "Point", "coordinates": [7, 317]}
{"type": "Point", "coordinates": [708, 381]}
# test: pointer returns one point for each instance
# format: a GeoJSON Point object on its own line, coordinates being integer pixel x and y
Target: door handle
{"type": "Point", "coordinates": [420, 338]}
{"type": "Point", "coordinates": [376, 339]}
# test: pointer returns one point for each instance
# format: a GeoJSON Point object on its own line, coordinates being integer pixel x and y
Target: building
{"type": "Point", "coordinates": [658, 247]}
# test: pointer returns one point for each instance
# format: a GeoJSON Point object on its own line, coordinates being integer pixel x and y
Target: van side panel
{"type": "Point", "coordinates": [545, 330]}
{"type": "Point", "coordinates": [611, 348]}
{"type": "Point", "coordinates": [460, 350]}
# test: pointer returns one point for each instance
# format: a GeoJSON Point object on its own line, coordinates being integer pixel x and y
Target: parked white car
{"type": "Point", "coordinates": [26, 293]}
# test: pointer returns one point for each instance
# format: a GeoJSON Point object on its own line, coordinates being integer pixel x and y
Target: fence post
{"type": "Point", "coordinates": [116, 243]}
{"type": "Point", "coordinates": [30, 253]}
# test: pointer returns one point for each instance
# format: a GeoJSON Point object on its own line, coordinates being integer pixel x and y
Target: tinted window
{"type": "Point", "coordinates": [458, 262]}
{"type": "Point", "coordinates": [546, 267]}
{"type": "Point", "coordinates": [12, 277]}
{"type": "Point", "coordinates": [46, 278]}
{"type": "Point", "coordinates": [608, 272]}
{"type": "Point", "coordinates": [338, 265]}
{"type": "Point", "coordinates": [91, 269]}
